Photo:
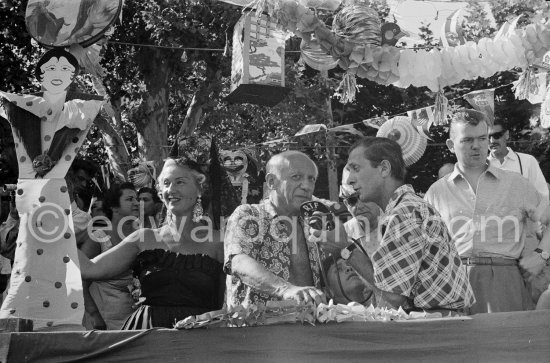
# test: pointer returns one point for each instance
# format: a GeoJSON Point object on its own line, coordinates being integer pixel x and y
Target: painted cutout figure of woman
{"type": "Point", "coordinates": [48, 130]}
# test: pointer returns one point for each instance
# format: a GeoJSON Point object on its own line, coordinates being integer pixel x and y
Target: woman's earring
{"type": "Point", "coordinates": [197, 210]}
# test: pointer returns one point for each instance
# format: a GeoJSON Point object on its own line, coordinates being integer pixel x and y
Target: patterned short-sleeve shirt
{"type": "Point", "coordinates": [257, 231]}
{"type": "Point", "coordinates": [417, 258]}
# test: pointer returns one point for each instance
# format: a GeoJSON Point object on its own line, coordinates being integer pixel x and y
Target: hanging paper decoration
{"type": "Point", "coordinates": [537, 93]}
{"type": "Point", "coordinates": [258, 67]}
{"type": "Point", "coordinates": [315, 56]}
{"type": "Point", "coordinates": [48, 130]}
{"type": "Point", "coordinates": [484, 101]}
{"type": "Point", "coordinates": [316, 4]}
{"type": "Point", "coordinates": [440, 108]}
{"type": "Point", "coordinates": [308, 129]}
{"type": "Point", "coordinates": [545, 110]}
{"type": "Point", "coordinates": [391, 33]}
{"type": "Point", "coordinates": [422, 119]}
{"type": "Point", "coordinates": [507, 29]}
{"type": "Point", "coordinates": [526, 85]}
{"type": "Point", "coordinates": [359, 25]}
{"type": "Point", "coordinates": [401, 130]}
{"type": "Point", "coordinates": [65, 22]}
{"type": "Point", "coordinates": [451, 32]}
{"type": "Point", "coordinates": [376, 122]}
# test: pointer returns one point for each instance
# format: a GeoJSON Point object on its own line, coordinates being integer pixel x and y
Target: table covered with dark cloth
{"type": "Point", "coordinates": [500, 337]}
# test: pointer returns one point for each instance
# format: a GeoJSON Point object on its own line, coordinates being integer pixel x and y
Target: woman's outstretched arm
{"type": "Point", "coordinates": [112, 262]}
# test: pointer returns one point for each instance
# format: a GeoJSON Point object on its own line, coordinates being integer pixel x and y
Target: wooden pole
{"type": "Point", "coordinates": [330, 151]}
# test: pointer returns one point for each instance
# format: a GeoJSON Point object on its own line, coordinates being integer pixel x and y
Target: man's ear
{"type": "Point", "coordinates": [506, 135]}
{"type": "Point", "coordinates": [385, 168]}
{"type": "Point", "coordinates": [270, 180]}
{"type": "Point", "coordinates": [450, 145]}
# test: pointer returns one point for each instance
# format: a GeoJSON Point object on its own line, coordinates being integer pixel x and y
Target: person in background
{"type": "Point", "coordinates": [9, 230]}
{"type": "Point", "coordinates": [344, 284]}
{"type": "Point", "coordinates": [150, 207]}
{"type": "Point", "coordinates": [363, 226]}
{"type": "Point", "coordinates": [8, 235]}
{"type": "Point", "coordinates": [447, 168]}
{"type": "Point", "coordinates": [108, 303]}
{"type": "Point", "coordinates": [485, 209]}
{"type": "Point", "coordinates": [503, 157]}
{"type": "Point", "coordinates": [81, 174]}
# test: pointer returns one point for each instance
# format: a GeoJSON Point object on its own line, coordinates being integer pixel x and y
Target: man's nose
{"type": "Point", "coordinates": [308, 185]}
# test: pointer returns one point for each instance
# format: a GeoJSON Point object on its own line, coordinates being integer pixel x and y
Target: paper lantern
{"type": "Point", "coordinates": [258, 67]}
{"type": "Point", "coordinates": [401, 130]}
{"type": "Point", "coordinates": [65, 22]}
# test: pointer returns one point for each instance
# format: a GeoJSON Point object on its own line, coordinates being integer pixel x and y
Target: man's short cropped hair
{"type": "Point", "coordinates": [378, 149]}
{"type": "Point", "coordinates": [466, 116]}
{"type": "Point", "coordinates": [274, 164]}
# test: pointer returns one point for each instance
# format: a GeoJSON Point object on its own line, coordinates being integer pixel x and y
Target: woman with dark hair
{"type": "Point", "coordinates": [179, 265]}
{"type": "Point", "coordinates": [48, 130]}
{"type": "Point", "coordinates": [109, 302]}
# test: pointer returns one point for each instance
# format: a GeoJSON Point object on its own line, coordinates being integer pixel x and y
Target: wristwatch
{"type": "Point", "coordinates": [543, 254]}
{"type": "Point", "coordinates": [345, 253]}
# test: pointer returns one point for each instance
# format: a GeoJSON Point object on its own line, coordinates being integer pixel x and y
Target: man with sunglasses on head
{"type": "Point", "coordinates": [486, 210]}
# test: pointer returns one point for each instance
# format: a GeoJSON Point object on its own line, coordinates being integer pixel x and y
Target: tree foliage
{"type": "Point", "coordinates": [156, 86]}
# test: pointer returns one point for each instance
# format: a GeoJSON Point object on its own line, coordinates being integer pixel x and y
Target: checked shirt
{"type": "Point", "coordinates": [417, 257]}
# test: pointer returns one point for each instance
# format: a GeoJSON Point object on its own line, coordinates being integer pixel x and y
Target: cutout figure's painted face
{"type": "Point", "coordinates": [235, 163]}
{"type": "Point", "coordinates": [57, 75]}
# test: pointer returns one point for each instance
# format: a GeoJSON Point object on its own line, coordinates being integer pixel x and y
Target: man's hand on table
{"type": "Point", "coordinates": [304, 294]}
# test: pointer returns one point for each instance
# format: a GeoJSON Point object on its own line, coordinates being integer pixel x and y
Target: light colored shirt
{"type": "Point", "coordinates": [80, 218]}
{"type": "Point", "coordinates": [489, 222]}
{"type": "Point", "coordinates": [529, 169]}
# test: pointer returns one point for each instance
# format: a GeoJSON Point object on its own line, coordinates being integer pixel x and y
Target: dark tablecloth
{"type": "Point", "coordinates": [501, 337]}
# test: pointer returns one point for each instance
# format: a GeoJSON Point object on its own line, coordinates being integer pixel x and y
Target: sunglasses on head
{"type": "Point", "coordinates": [351, 200]}
{"type": "Point", "coordinates": [497, 135]}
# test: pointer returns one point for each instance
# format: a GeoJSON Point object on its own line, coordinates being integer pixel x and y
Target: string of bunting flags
{"type": "Point", "coordinates": [422, 118]}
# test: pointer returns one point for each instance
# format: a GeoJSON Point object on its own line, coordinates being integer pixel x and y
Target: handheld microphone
{"type": "Point", "coordinates": [317, 215]}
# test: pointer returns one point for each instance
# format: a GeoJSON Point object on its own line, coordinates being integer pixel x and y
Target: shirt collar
{"type": "Point", "coordinates": [510, 155]}
{"type": "Point", "coordinates": [396, 196]}
{"type": "Point", "coordinates": [491, 170]}
{"type": "Point", "coordinates": [269, 208]}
